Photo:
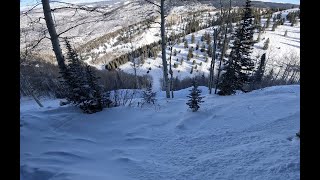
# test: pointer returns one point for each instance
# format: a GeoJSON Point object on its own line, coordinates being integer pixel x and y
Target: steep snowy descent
{"type": "Point", "coordinates": [245, 136]}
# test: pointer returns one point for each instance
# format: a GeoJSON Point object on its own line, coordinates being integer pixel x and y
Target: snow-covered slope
{"type": "Point", "coordinates": [282, 49]}
{"type": "Point", "coordinates": [245, 136]}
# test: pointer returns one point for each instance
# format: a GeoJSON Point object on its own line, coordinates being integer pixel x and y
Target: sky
{"type": "Point", "coordinates": [24, 3]}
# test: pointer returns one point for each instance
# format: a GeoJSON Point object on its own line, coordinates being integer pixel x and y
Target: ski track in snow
{"type": "Point", "coordinates": [245, 136]}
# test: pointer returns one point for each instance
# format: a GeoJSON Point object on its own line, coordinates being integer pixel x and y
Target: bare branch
{"type": "Point", "coordinates": [38, 42]}
{"type": "Point", "coordinates": [153, 3]}
{"type": "Point", "coordinates": [25, 13]}
{"type": "Point", "coordinates": [77, 26]}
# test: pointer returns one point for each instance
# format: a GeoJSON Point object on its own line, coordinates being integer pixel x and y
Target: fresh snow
{"type": "Point", "coordinates": [244, 136]}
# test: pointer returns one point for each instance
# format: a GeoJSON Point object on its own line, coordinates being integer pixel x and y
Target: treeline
{"type": "Point", "coordinates": [121, 33]}
{"type": "Point", "coordinates": [147, 51]}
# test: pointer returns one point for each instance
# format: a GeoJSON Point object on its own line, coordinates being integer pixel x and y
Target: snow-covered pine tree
{"type": "Point", "coordinates": [148, 95]}
{"type": "Point", "coordinates": [74, 78]}
{"type": "Point", "coordinates": [195, 98]}
{"type": "Point", "coordinates": [94, 102]}
{"type": "Point", "coordinates": [81, 82]}
{"type": "Point", "coordinates": [239, 65]}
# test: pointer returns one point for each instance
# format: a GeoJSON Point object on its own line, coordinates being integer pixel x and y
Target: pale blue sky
{"type": "Point", "coordinates": [32, 2]}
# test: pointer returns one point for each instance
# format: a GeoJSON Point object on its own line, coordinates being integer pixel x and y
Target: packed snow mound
{"type": "Point", "coordinates": [244, 136]}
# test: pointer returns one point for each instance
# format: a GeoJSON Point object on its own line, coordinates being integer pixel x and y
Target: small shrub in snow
{"type": "Point", "coordinates": [266, 44]}
{"type": "Point", "coordinates": [174, 52]}
{"type": "Point", "coordinates": [195, 98]}
{"type": "Point", "coordinates": [149, 96]}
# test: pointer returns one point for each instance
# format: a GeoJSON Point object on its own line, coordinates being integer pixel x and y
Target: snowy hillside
{"type": "Point", "coordinates": [282, 49]}
{"type": "Point", "coordinates": [245, 136]}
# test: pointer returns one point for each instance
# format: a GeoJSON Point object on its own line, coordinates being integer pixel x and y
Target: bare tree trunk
{"type": "Point", "coordinates": [223, 48]}
{"type": "Point", "coordinates": [171, 72]}
{"type": "Point", "coordinates": [53, 35]}
{"type": "Point", "coordinates": [136, 85]}
{"type": "Point", "coordinates": [275, 78]}
{"type": "Point", "coordinates": [213, 61]}
{"type": "Point", "coordinates": [292, 77]}
{"type": "Point", "coordinates": [163, 45]}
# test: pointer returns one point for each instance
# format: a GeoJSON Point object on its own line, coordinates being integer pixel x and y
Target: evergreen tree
{"type": "Point", "coordinates": [94, 103]}
{"type": "Point", "coordinates": [268, 21]}
{"type": "Point", "coordinates": [185, 44]}
{"type": "Point", "coordinates": [81, 82]}
{"type": "Point", "coordinates": [259, 35]}
{"type": "Point", "coordinates": [195, 98]}
{"type": "Point", "coordinates": [274, 26]}
{"type": "Point", "coordinates": [203, 48]}
{"type": "Point", "coordinates": [266, 44]}
{"type": "Point", "coordinates": [74, 77]}
{"type": "Point", "coordinates": [239, 65]}
{"type": "Point", "coordinates": [192, 38]}
{"type": "Point", "coordinates": [148, 95]}
{"type": "Point", "coordinates": [190, 54]}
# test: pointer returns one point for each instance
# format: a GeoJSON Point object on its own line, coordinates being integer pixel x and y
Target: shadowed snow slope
{"type": "Point", "coordinates": [245, 136]}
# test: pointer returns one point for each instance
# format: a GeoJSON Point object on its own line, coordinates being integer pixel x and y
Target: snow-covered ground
{"type": "Point", "coordinates": [282, 49]}
{"type": "Point", "coordinates": [245, 136]}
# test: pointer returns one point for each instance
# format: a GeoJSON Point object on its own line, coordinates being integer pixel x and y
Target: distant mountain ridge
{"type": "Point", "coordinates": [260, 4]}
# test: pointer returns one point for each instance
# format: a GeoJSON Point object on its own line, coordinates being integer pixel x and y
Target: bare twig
{"type": "Point", "coordinates": [153, 3]}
